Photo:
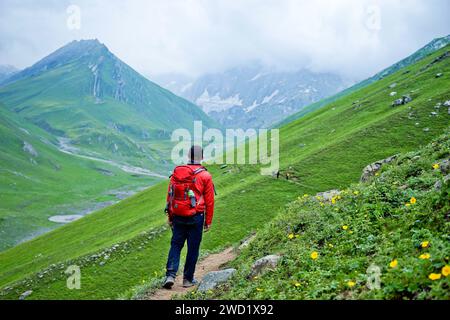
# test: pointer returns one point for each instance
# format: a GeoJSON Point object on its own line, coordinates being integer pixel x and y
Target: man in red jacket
{"type": "Point", "coordinates": [190, 209]}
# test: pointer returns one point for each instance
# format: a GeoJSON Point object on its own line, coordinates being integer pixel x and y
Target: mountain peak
{"type": "Point", "coordinates": [87, 51]}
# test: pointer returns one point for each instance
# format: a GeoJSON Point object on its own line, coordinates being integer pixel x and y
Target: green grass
{"type": "Point", "coordinates": [370, 224]}
{"type": "Point", "coordinates": [340, 140]}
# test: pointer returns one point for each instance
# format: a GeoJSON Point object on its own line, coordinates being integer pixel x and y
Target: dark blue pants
{"type": "Point", "coordinates": [188, 229]}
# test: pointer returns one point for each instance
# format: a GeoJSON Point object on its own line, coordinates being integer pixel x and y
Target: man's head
{"type": "Point", "coordinates": [196, 154]}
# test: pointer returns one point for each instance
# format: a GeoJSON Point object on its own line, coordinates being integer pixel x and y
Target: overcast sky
{"type": "Point", "coordinates": [355, 38]}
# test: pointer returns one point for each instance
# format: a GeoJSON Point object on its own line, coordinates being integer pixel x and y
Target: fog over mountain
{"type": "Point", "coordinates": [353, 39]}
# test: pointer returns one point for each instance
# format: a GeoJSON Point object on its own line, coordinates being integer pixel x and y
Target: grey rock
{"type": "Point", "coordinates": [372, 168]}
{"type": "Point", "coordinates": [393, 93]}
{"type": "Point", "coordinates": [25, 295]}
{"type": "Point", "coordinates": [444, 166]}
{"type": "Point", "coordinates": [403, 100]}
{"type": "Point", "coordinates": [393, 85]}
{"type": "Point", "coordinates": [438, 184]}
{"type": "Point", "coordinates": [447, 103]}
{"type": "Point", "coordinates": [328, 195]}
{"type": "Point", "coordinates": [426, 129]}
{"type": "Point", "coordinates": [433, 114]}
{"type": "Point", "coordinates": [212, 279]}
{"type": "Point", "coordinates": [27, 147]}
{"type": "Point", "coordinates": [264, 264]}
{"type": "Point", "coordinates": [439, 75]}
{"type": "Point", "coordinates": [247, 242]}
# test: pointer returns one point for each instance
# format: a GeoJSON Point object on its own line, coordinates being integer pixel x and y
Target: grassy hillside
{"type": "Point", "coordinates": [428, 49]}
{"type": "Point", "coordinates": [83, 100]}
{"type": "Point", "coordinates": [326, 149]}
{"type": "Point", "coordinates": [41, 181]}
{"type": "Point", "coordinates": [398, 223]}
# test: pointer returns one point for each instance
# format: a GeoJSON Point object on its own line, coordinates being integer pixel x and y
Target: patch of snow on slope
{"type": "Point", "coordinates": [268, 98]}
{"type": "Point", "coordinates": [216, 103]}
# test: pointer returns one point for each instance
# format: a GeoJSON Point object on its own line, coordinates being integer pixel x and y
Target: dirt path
{"type": "Point", "coordinates": [213, 262]}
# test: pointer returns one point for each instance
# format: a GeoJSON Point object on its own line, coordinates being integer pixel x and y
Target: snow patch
{"type": "Point", "coordinates": [268, 98]}
{"type": "Point", "coordinates": [216, 103]}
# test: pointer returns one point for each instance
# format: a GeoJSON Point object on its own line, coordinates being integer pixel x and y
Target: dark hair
{"type": "Point", "coordinates": [196, 154]}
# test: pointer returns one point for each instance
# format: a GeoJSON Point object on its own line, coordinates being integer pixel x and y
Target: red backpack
{"type": "Point", "coordinates": [183, 195]}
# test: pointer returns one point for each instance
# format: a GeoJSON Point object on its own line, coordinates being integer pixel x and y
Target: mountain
{"type": "Point", "coordinates": [122, 249]}
{"type": "Point", "coordinates": [7, 71]}
{"type": "Point", "coordinates": [418, 55]}
{"type": "Point", "coordinates": [85, 94]}
{"type": "Point", "coordinates": [79, 125]}
{"type": "Point", "coordinates": [253, 96]}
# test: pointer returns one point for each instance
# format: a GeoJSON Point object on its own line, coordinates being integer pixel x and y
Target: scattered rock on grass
{"type": "Point", "coordinates": [372, 168]}
{"type": "Point", "coordinates": [264, 264]}
{"type": "Point", "coordinates": [212, 279]}
{"type": "Point", "coordinates": [25, 295]}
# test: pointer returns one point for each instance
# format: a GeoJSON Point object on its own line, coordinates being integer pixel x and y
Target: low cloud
{"type": "Point", "coordinates": [355, 38]}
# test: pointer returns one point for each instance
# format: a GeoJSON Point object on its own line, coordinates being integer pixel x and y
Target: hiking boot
{"type": "Point", "coordinates": [188, 284]}
{"type": "Point", "coordinates": [168, 283]}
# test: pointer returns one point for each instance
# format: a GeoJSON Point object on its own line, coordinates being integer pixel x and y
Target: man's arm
{"type": "Point", "coordinates": [208, 195]}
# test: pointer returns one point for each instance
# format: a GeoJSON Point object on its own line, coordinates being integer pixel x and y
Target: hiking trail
{"type": "Point", "coordinates": [212, 262]}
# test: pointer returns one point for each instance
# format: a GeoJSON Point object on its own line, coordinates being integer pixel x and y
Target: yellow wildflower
{"type": "Point", "coordinates": [345, 227]}
{"type": "Point", "coordinates": [319, 198]}
{"type": "Point", "coordinates": [356, 192]}
{"type": "Point", "coordinates": [434, 276]}
{"type": "Point", "coordinates": [255, 278]}
{"type": "Point", "coordinates": [446, 270]}
{"type": "Point", "coordinates": [351, 284]}
{"type": "Point", "coordinates": [393, 263]}
{"type": "Point", "coordinates": [333, 200]}
{"type": "Point", "coordinates": [377, 174]}
{"type": "Point", "coordinates": [413, 200]}
{"type": "Point", "coordinates": [291, 236]}
{"type": "Point", "coordinates": [436, 166]}
{"type": "Point", "coordinates": [425, 256]}
{"type": "Point", "coordinates": [259, 289]}
{"type": "Point", "coordinates": [297, 284]}
{"type": "Point", "coordinates": [297, 236]}
{"type": "Point", "coordinates": [305, 195]}
{"type": "Point", "coordinates": [314, 255]}
{"type": "Point", "coordinates": [408, 204]}
{"type": "Point", "coordinates": [330, 245]}
{"type": "Point", "coordinates": [425, 244]}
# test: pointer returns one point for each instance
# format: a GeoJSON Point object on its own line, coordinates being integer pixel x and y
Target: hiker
{"type": "Point", "coordinates": [190, 210]}
{"type": "Point", "coordinates": [278, 174]}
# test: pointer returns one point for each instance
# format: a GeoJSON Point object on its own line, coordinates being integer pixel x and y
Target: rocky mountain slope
{"type": "Point", "coordinates": [254, 96]}
{"type": "Point", "coordinates": [7, 71]}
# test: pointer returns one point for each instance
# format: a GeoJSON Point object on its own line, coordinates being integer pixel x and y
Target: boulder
{"type": "Point", "coordinates": [29, 148]}
{"type": "Point", "coordinates": [447, 103]}
{"type": "Point", "coordinates": [264, 264]}
{"type": "Point", "coordinates": [439, 75]}
{"type": "Point", "coordinates": [444, 166]}
{"type": "Point", "coordinates": [438, 184]}
{"type": "Point", "coordinates": [403, 100]}
{"type": "Point", "coordinates": [328, 195]}
{"type": "Point", "coordinates": [25, 295]}
{"type": "Point", "coordinates": [372, 168]}
{"type": "Point", "coordinates": [393, 93]}
{"type": "Point", "coordinates": [212, 279]}
{"type": "Point", "coordinates": [246, 242]}
{"type": "Point", "coordinates": [393, 85]}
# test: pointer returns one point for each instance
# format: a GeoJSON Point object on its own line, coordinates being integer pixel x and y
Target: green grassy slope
{"type": "Point", "coordinates": [398, 223]}
{"type": "Point", "coordinates": [324, 150]}
{"type": "Point", "coordinates": [35, 187]}
{"type": "Point", "coordinates": [85, 95]}
{"type": "Point", "coordinates": [428, 49]}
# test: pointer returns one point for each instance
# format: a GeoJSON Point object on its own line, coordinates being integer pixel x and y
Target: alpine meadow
{"type": "Point", "coordinates": [358, 208]}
